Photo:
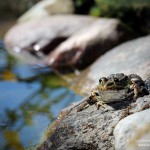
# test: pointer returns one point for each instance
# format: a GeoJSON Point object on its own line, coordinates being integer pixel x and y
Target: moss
{"type": "Point", "coordinates": [135, 13]}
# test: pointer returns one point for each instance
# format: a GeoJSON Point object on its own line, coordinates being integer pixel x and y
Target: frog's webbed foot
{"type": "Point", "coordinates": [100, 103]}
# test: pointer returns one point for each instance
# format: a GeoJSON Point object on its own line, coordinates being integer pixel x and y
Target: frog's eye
{"type": "Point", "coordinates": [100, 80]}
{"type": "Point", "coordinates": [96, 93]}
{"type": "Point", "coordinates": [103, 79]}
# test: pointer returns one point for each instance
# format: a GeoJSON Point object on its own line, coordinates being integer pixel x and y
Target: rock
{"type": "Point", "coordinates": [132, 135]}
{"type": "Point", "coordinates": [91, 129]}
{"type": "Point", "coordinates": [62, 114]}
{"type": "Point", "coordinates": [39, 37]}
{"type": "Point", "coordinates": [82, 48]}
{"type": "Point", "coordinates": [130, 57]}
{"type": "Point", "coordinates": [46, 8]}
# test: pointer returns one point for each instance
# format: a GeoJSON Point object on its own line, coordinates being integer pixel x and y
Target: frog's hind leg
{"type": "Point", "coordinates": [83, 106]}
{"type": "Point", "coordinates": [136, 90]}
{"type": "Point", "coordinates": [100, 103]}
{"type": "Point", "coordinates": [144, 90]}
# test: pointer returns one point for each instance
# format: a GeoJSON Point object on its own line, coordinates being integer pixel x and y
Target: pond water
{"type": "Point", "coordinates": [30, 99]}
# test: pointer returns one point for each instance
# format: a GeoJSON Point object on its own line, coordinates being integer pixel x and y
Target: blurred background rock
{"type": "Point", "coordinates": [10, 10]}
{"type": "Point", "coordinates": [135, 13]}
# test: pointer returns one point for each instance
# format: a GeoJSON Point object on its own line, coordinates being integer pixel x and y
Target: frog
{"type": "Point", "coordinates": [115, 87]}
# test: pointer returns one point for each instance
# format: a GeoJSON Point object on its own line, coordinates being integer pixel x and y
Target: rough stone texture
{"type": "Point", "coordinates": [130, 57]}
{"type": "Point", "coordinates": [82, 48]}
{"type": "Point", "coordinates": [133, 132]}
{"type": "Point", "coordinates": [39, 37]}
{"type": "Point", "coordinates": [92, 129]}
{"type": "Point", "coordinates": [46, 8]}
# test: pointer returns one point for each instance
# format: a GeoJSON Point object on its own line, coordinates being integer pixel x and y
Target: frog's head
{"type": "Point", "coordinates": [110, 84]}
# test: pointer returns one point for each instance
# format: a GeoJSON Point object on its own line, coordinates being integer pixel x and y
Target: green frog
{"type": "Point", "coordinates": [116, 87]}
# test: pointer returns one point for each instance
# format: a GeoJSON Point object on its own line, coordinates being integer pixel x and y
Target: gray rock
{"type": "Point", "coordinates": [82, 48]}
{"type": "Point", "coordinates": [40, 36]}
{"type": "Point", "coordinates": [130, 57]}
{"type": "Point", "coordinates": [91, 129]}
{"type": "Point", "coordinates": [133, 132]}
{"type": "Point", "coordinates": [45, 8]}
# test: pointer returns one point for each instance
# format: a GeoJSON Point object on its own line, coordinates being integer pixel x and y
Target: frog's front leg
{"type": "Point", "coordinates": [100, 103]}
{"type": "Point", "coordinates": [135, 87]}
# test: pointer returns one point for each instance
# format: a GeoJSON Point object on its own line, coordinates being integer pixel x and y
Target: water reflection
{"type": "Point", "coordinates": [29, 101]}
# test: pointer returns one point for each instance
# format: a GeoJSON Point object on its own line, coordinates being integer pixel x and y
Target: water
{"type": "Point", "coordinates": [30, 99]}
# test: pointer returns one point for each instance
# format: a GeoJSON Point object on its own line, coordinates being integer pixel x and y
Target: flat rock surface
{"type": "Point", "coordinates": [92, 129]}
{"type": "Point", "coordinates": [82, 48]}
{"type": "Point", "coordinates": [130, 57]}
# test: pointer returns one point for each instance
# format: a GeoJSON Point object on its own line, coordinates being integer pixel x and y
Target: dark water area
{"type": "Point", "coordinates": [30, 100]}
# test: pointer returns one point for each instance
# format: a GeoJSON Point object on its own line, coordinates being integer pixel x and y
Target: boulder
{"type": "Point", "coordinates": [40, 36]}
{"type": "Point", "coordinates": [91, 128]}
{"type": "Point", "coordinates": [45, 8]}
{"type": "Point", "coordinates": [132, 135]}
{"type": "Point", "coordinates": [82, 48]}
{"type": "Point", "coordinates": [130, 57]}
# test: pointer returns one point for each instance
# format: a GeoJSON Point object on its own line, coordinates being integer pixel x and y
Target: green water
{"type": "Point", "coordinates": [30, 99]}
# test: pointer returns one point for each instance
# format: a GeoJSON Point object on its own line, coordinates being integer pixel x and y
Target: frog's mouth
{"type": "Point", "coordinates": [114, 86]}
